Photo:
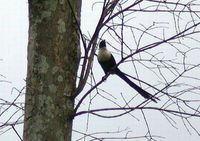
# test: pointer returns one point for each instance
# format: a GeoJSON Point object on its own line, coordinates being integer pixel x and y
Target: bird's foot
{"type": "Point", "coordinates": [104, 78]}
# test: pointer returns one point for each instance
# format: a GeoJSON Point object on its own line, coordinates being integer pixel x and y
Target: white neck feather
{"type": "Point", "coordinates": [103, 54]}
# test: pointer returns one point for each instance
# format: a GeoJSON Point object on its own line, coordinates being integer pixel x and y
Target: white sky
{"type": "Point", "coordinates": [13, 46]}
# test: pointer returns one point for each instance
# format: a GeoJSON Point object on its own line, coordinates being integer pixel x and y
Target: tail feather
{"type": "Point", "coordinates": [141, 91]}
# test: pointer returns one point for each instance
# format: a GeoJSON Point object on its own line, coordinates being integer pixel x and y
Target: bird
{"type": "Point", "coordinates": [108, 64]}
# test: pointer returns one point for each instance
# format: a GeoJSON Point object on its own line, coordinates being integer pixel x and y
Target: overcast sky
{"type": "Point", "coordinates": [13, 46]}
{"type": "Point", "coordinates": [13, 52]}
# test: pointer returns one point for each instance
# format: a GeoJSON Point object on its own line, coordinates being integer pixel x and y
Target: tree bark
{"type": "Point", "coordinates": [53, 59]}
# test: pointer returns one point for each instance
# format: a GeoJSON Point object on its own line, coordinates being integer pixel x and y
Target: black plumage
{"type": "Point", "coordinates": [108, 64]}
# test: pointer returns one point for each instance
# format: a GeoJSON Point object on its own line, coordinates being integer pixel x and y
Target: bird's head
{"type": "Point", "coordinates": [102, 44]}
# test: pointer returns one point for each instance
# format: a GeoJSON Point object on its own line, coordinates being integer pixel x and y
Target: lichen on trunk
{"type": "Point", "coordinates": [53, 59]}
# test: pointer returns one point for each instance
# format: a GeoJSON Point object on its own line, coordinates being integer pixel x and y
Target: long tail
{"type": "Point", "coordinates": [142, 92]}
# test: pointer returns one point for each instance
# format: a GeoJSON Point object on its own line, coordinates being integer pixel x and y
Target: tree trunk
{"type": "Point", "coordinates": [53, 59]}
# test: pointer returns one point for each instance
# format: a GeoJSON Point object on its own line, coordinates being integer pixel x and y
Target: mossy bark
{"type": "Point", "coordinates": [53, 59]}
